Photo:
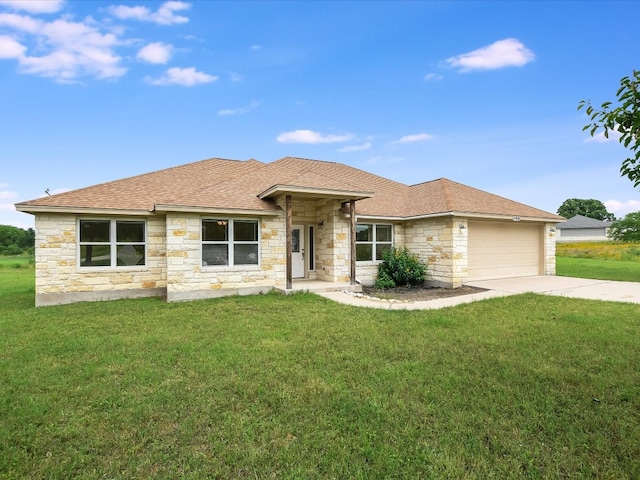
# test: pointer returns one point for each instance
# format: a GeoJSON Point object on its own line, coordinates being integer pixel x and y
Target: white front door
{"type": "Point", "coordinates": [297, 251]}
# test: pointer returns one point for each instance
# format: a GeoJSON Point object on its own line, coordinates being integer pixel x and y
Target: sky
{"type": "Point", "coordinates": [482, 93]}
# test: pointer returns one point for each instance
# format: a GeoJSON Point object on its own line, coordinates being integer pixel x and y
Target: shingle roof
{"type": "Point", "coordinates": [231, 184]}
{"type": "Point", "coordinates": [580, 221]}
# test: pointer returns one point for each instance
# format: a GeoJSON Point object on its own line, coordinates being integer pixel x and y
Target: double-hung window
{"type": "Point", "coordinates": [230, 242]}
{"type": "Point", "coordinates": [371, 240]}
{"type": "Point", "coordinates": [112, 243]}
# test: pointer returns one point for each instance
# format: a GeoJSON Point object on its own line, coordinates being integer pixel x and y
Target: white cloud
{"type": "Point", "coordinates": [71, 49]}
{"type": "Point", "coordinates": [165, 15]}
{"type": "Point", "coordinates": [156, 52]}
{"type": "Point", "coordinates": [614, 136]}
{"type": "Point", "coordinates": [237, 111]}
{"type": "Point", "coordinates": [255, 47]}
{"type": "Point", "coordinates": [186, 77]}
{"type": "Point", "coordinates": [418, 137]}
{"type": "Point", "coordinates": [432, 77]}
{"type": "Point", "coordinates": [309, 136]}
{"type": "Point", "coordinates": [509, 52]}
{"type": "Point", "coordinates": [21, 22]}
{"type": "Point", "coordinates": [621, 208]}
{"type": "Point", "coordinates": [355, 148]}
{"type": "Point", "coordinates": [34, 6]}
{"type": "Point", "coordinates": [10, 48]}
{"type": "Point", "coordinates": [7, 195]}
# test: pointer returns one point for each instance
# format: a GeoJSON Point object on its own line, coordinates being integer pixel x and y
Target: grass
{"type": "Point", "coordinates": [600, 260]}
{"type": "Point", "coordinates": [299, 387]}
{"type": "Point", "coordinates": [16, 261]}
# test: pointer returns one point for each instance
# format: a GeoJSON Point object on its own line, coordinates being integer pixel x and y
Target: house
{"type": "Point", "coordinates": [583, 229]}
{"type": "Point", "coordinates": [220, 227]}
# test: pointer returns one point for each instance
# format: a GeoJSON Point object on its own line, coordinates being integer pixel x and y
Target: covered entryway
{"type": "Point", "coordinates": [504, 250]}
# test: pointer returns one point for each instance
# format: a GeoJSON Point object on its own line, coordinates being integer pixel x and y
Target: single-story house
{"type": "Point", "coordinates": [220, 227]}
{"type": "Point", "coordinates": [583, 229]}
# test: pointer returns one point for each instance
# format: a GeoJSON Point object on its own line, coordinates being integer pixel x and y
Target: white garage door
{"type": "Point", "coordinates": [503, 250]}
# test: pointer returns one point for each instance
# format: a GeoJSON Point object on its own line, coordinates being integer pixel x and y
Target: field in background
{"type": "Point", "coordinates": [600, 260]}
{"type": "Point", "coordinates": [600, 250]}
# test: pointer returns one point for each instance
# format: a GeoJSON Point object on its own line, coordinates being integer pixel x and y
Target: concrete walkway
{"type": "Point", "coordinates": [545, 285]}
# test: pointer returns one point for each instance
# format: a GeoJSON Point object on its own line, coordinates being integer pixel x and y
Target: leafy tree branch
{"type": "Point", "coordinates": [624, 119]}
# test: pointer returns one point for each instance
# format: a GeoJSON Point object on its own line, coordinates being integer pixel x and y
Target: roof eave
{"type": "Point", "coordinates": [279, 189]}
{"type": "Point", "coordinates": [515, 218]}
{"type": "Point", "coordinates": [33, 209]}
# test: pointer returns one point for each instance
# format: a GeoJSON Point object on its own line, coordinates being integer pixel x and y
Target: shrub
{"type": "Point", "coordinates": [384, 280]}
{"type": "Point", "coordinates": [399, 267]}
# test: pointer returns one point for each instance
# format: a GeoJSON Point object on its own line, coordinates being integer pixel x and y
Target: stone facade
{"type": "Point", "coordinates": [60, 280]}
{"type": "Point", "coordinates": [442, 245]}
{"type": "Point", "coordinates": [188, 279]}
{"type": "Point", "coordinates": [549, 249]}
{"type": "Point", "coordinates": [174, 266]}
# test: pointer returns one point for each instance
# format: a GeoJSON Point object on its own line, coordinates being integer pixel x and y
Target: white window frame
{"type": "Point", "coordinates": [112, 243]}
{"type": "Point", "coordinates": [231, 243]}
{"type": "Point", "coordinates": [374, 241]}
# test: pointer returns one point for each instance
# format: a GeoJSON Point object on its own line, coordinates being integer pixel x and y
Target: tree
{"type": "Point", "coordinates": [14, 240]}
{"type": "Point", "coordinates": [624, 119]}
{"type": "Point", "coordinates": [588, 208]}
{"type": "Point", "coordinates": [627, 229]}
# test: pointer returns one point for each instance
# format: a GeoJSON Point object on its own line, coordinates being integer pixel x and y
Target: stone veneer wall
{"type": "Point", "coordinates": [332, 243]}
{"type": "Point", "coordinates": [550, 248]}
{"type": "Point", "coordinates": [60, 280]}
{"type": "Point", "coordinates": [442, 244]}
{"type": "Point", "coordinates": [188, 279]}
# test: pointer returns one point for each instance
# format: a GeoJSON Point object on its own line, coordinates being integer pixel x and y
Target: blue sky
{"type": "Point", "coordinates": [483, 93]}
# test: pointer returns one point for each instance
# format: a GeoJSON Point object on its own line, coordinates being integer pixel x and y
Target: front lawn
{"type": "Point", "coordinates": [299, 387]}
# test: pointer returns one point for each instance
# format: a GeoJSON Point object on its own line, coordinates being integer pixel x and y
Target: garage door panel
{"type": "Point", "coordinates": [503, 250]}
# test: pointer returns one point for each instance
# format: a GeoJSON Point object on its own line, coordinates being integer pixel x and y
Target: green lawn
{"type": "Point", "coordinates": [627, 271]}
{"type": "Point", "coordinates": [299, 387]}
{"type": "Point", "coordinates": [600, 260]}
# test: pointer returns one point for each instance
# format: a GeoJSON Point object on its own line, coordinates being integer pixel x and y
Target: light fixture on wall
{"type": "Point", "coordinates": [462, 227]}
{"type": "Point", "coordinates": [321, 223]}
{"type": "Point", "coordinates": [552, 229]}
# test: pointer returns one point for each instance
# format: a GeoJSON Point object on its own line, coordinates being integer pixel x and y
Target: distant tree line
{"type": "Point", "coordinates": [14, 240]}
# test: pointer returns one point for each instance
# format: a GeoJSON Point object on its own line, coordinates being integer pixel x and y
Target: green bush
{"type": "Point", "coordinates": [399, 267]}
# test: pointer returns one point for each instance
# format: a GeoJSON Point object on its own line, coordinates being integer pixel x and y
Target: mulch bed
{"type": "Point", "coordinates": [420, 293]}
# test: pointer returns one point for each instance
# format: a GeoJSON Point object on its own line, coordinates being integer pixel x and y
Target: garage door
{"type": "Point", "coordinates": [503, 250]}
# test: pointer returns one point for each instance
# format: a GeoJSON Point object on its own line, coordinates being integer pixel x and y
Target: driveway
{"type": "Point", "coordinates": [544, 284]}
{"type": "Point", "coordinates": [566, 287]}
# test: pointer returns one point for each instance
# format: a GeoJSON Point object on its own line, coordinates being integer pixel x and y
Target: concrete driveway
{"type": "Point", "coordinates": [566, 287]}
{"type": "Point", "coordinates": [545, 285]}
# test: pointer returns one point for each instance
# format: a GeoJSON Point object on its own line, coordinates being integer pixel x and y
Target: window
{"type": "Point", "coordinates": [112, 243]}
{"type": "Point", "coordinates": [229, 242]}
{"type": "Point", "coordinates": [372, 240]}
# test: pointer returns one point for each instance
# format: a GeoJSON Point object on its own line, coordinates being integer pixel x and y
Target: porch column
{"type": "Point", "coordinates": [289, 283]}
{"type": "Point", "coordinates": [352, 218]}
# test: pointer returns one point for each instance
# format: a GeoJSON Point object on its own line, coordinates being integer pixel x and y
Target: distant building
{"type": "Point", "coordinates": [582, 229]}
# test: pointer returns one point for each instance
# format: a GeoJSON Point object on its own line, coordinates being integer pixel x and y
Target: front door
{"type": "Point", "coordinates": [297, 251]}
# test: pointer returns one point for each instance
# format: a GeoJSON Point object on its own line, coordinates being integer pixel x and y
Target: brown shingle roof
{"type": "Point", "coordinates": [232, 184]}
